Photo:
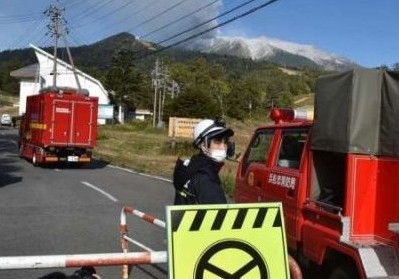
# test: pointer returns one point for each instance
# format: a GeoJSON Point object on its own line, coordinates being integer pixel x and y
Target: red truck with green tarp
{"type": "Point", "coordinates": [337, 176]}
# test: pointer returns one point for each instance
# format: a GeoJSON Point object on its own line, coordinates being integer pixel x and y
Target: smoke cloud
{"type": "Point", "coordinates": [156, 20]}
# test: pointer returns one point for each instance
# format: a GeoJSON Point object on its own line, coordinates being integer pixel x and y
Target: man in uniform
{"type": "Point", "coordinates": [197, 180]}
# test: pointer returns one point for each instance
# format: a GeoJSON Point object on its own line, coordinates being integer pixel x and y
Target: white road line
{"type": "Point", "coordinates": [112, 198]}
{"type": "Point", "coordinates": [140, 173]}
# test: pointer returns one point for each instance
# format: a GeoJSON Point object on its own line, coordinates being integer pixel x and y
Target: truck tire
{"type": "Point", "coordinates": [34, 160]}
{"type": "Point", "coordinates": [20, 150]}
{"type": "Point", "coordinates": [344, 271]}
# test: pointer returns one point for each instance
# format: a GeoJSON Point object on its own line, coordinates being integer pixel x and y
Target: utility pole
{"type": "Point", "coordinates": [161, 82]}
{"type": "Point", "coordinates": [57, 30]}
{"type": "Point", "coordinates": [164, 80]}
{"type": "Point", "coordinates": [160, 96]}
{"type": "Point", "coordinates": [75, 74]}
{"type": "Point", "coordinates": [155, 82]}
{"type": "Point", "coordinates": [55, 14]}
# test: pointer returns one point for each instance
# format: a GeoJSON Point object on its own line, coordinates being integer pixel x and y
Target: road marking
{"type": "Point", "coordinates": [140, 173]}
{"type": "Point", "coordinates": [112, 198]}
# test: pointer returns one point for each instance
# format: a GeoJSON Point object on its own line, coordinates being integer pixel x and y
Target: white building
{"type": "Point", "coordinates": [35, 77]}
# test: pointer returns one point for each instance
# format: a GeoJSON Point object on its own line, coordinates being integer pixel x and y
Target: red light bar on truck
{"type": "Point", "coordinates": [280, 115]}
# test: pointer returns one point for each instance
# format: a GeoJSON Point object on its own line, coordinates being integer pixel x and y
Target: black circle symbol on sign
{"type": "Point", "coordinates": [256, 261]}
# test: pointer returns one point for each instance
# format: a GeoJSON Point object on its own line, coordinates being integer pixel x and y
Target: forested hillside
{"type": "Point", "coordinates": [210, 84]}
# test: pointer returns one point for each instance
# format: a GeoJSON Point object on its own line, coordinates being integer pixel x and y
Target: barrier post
{"type": "Point", "coordinates": [124, 243]}
{"type": "Point", "coordinates": [126, 269]}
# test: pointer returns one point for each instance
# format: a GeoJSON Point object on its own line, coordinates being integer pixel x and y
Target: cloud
{"type": "Point", "coordinates": [93, 20]}
{"type": "Point", "coordinates": [157, 21]}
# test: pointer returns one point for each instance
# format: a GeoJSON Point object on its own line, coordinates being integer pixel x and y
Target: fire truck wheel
{"type": "Point", "coordinates": [344, 271]}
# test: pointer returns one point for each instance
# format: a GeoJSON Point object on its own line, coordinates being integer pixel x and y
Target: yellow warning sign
{"type": "Point", "coordinates": [227, 241]}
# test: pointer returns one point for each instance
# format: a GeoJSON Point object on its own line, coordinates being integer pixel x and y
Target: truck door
{"type": "Point", "coordinates": [81, 133]}
{"type": "Point", "coordinates": [251, 174]}
{"type": "Point", "coordinates": [61, 121]}
{"type": "Point", "coordinates": [283, 177]}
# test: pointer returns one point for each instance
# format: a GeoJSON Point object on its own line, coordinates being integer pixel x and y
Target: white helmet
{"type": "Point", "coordinates": [208, 129]}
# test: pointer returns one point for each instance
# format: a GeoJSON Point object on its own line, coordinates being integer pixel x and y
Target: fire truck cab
{"type": "Point", "coordinates": [337, 177]}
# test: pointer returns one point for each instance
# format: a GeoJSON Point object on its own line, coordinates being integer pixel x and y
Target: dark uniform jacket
{"type": "Point", "coordinates": [199, 182]}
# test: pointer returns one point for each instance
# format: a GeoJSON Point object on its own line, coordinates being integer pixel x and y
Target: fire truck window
{"type": "Point", "coordinates": [328, 177]}
{"type": "Point", "coordinates": [258, 149]}
{"type": "Point", "coordinates": [291, 147]}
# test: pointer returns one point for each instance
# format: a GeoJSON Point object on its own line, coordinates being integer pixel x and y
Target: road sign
{"type": "Point", "coordinates": [227, 241]}
{"type": "Point", "coordinates": [182, 127]}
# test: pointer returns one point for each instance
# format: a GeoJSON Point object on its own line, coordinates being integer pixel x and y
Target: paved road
{"type": "Point", "coordinates": [63, 210]}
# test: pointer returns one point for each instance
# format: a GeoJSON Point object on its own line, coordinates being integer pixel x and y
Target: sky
{"type": "Point", "coordinates": [364, 31]}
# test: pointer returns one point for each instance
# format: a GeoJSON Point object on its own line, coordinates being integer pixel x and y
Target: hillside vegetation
{"type": "Point", "coordinates": [8, 103]}
{"type": "Point", "coordinates": [240, 90]}
{"type": "Point", "coordinates": [210, 84]}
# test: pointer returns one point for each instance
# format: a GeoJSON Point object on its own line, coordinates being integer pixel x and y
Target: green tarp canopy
{"type": "Point", "coordinates": [357, 112]}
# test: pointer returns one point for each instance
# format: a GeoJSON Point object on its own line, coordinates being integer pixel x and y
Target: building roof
{"type": "Point", "coordinates": [68, 66]}
{"type": "Point", "coordinates": [30, 71]}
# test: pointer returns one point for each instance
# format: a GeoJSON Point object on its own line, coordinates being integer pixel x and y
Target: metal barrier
{"type": "Point", "coordinates": [64, 261]}
{"type": "Point", "coordinates": [124, 233]}
{"type": "Point", "coordinates": [110, 259]}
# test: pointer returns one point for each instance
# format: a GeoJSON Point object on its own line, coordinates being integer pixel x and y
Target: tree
{"type": "Point", "coordinates": [125, 80]}
{"type": "Point", "coordinates": [8, 83]}
{"type": "Point", "coordinates": [203, 89]}
{"type": "Point", "coordinates": [196, 104]}
{"type": "Point", "coordinates": [246, 96]}
{"type": "Point", "coordinates": [219, 86]}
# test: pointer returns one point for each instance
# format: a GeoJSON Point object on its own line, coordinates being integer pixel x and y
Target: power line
{"type": "Point", "coordinates": [44, 41]}
{"type": "Point", "coordinates": [108, 14]}
{"type": "Point", "coordinates": [159, 14]}
{"type": "Point", "coordinates": [208, 21]}
{"type": "Point", "coordinates": [211, 28]}
{"type": "Point", "coordinates": [6, 21]}
{"type": "Point", "coordinates": [127, 17]}
{"type": "Point", "coordinates": [179, 19]}
{"type": "Point", "coordinates": [76, 31]}
{"type": "Point", "coordinates": [92, 10]}
{"type": "Point", "coordinates": [20, 16]}
{"type": "Point", "coordinates": [29, 33]}
{"type": "Point", "coordinates": [72, 4]}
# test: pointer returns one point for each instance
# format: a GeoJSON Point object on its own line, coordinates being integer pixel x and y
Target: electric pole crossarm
{"type": "Point", "coordinates": [57, 30]}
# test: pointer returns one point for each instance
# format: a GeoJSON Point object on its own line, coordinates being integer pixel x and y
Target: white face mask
{"type": "Point", "coordinates": [218, 154]}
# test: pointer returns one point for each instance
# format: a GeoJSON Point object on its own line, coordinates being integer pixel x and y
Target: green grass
{"type": "Point", "coordinates": [145, 149]}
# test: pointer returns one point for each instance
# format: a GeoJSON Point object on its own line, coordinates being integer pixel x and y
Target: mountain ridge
{"type": "Point", "coordinates": [236, 57]}
{"type": "Point", "coordinates": [269, 49]}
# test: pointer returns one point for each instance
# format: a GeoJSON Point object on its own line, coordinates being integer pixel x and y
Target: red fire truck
{"type": "Point", "coordinates": [60, 125]}
{"type": "Point", "coordinates": [337, 176]}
